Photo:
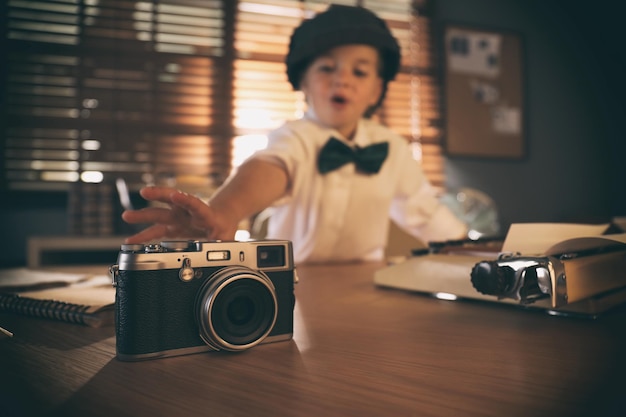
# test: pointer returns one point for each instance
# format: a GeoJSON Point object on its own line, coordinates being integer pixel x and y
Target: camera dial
{"type": "Point", "coordinates": [132, 247]}
{"type": "Point", "coordinates": [153, 248]}
{"type": "Point", "coordinates": [180, 246]}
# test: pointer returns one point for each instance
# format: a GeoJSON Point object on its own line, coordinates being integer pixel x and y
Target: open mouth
{"type": "Point", "coordinates": [338, 100]}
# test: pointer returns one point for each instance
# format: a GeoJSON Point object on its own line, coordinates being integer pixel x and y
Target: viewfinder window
{"type": "Point", "coordinates": [270, 256]}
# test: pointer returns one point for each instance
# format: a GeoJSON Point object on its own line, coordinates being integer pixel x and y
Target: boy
{"type": "Point", "coordinates": [334, 177]}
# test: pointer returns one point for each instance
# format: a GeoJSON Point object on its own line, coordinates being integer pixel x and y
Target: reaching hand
{"type": "Point", "coordinates": [185, 216]}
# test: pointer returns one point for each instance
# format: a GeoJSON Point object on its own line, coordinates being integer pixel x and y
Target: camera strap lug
{"type": "Point", "coordinates": [114, 272]}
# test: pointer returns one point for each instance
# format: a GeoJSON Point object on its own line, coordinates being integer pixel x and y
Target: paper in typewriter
{"type": "Point", "coordinates": [538, 239]}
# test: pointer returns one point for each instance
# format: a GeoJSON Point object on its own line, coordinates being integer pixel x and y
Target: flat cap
{"type": "Point", "coordinates": [341, 25]}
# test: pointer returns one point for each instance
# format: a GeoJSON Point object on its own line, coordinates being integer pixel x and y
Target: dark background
{"type": "Point", "coordinates": [574, 79]}
{"type": "Point", "coordinates": [575, 111]}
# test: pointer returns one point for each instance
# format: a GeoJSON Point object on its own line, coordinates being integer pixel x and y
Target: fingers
{"type": "Point", "coordinates": [148, 215]}
{"type": "Point", "coordinates": [194, 206]}
{"type": "Point", "coordinates": [162, 231]}
{"type": "Point", "coordinates": [217, 226]}
{"type": "Point", "coordinates": [181, 206]}
{"type": "Point", "coordinates": [156, 231]}
{"type": "Point", "coordinates": [161, 194]}
{"type": "Point", "coordinates": [184, 217]}
{"type": "Point", "coordinates": [222, 234]}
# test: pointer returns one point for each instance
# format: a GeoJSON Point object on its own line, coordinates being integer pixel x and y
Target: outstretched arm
{"type": "Point", "coordinates": [255, 186]}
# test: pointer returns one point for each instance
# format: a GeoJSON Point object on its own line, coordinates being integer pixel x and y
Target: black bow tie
{"type": "Point", "coordinates": [335, 154]}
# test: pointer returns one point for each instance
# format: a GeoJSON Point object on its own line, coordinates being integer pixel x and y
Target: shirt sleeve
{"type": "Point", "coordinates": [288, 150]}
{"type": "Point", "coordinates": [416, 206]}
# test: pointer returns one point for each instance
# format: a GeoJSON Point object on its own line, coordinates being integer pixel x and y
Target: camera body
{"type": "Point", "coordinates": [183, 297]}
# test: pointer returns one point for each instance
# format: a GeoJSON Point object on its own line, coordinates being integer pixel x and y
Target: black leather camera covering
{"type": "Point", "coordinates": [156, 311]}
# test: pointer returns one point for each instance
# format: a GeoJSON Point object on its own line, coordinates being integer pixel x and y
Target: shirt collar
{"type": "Point", "coordinates": [361, 138]}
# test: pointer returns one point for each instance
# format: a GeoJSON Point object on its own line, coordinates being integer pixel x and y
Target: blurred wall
{"type": "Point", "coordinates": [575, 62]}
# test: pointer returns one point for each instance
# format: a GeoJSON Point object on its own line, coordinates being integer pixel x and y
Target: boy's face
{"type": "Point", "coordinates": [341, 85]}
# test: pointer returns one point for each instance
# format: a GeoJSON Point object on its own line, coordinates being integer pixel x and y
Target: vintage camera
{"type": "Point", "coordinates": [183, 297]}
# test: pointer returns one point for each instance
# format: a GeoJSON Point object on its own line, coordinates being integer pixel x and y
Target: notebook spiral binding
{"type": "Point", "coordinates": [50, 309]}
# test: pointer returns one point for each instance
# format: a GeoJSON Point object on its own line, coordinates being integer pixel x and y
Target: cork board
{"type": "Point", "coordinates": [484, 93]}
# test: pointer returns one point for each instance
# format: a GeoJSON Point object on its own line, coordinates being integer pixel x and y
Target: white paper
{"type": "Point", "coordinates": [584, 243]}
{"type": "Point", "coordinates": [507, 120]}
{"type": "Point", "coordinates": [537, 239]}
{"type": "Point", "coordinates": [24, 278]}
{"type": "Point", "coordinates": [473, 52]}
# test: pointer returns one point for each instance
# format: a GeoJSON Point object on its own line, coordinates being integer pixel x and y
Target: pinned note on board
{"type": "Point", "coordinates": [484, 93]}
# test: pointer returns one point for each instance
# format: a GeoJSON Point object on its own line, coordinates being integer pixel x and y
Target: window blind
{"type": "Point", "coordinates": [166, 90]}
{"type": "Point", "coordinates": [102, 89]}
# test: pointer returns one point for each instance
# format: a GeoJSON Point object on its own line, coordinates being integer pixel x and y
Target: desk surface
{"type": "Point", "coordinates": [357, 350]}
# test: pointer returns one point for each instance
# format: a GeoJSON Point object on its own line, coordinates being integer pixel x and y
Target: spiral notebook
{"type": "Point", "coordinates": [74, 298]}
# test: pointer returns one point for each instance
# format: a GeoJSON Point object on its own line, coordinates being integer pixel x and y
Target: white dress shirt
{"type": "Point", "coordinates": [344, 215]}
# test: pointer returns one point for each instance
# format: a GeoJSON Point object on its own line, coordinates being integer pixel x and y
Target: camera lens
{"type": "Point", "coordinates": [240, 311]}
{"type": "Point", "coordinates": [237, 308]}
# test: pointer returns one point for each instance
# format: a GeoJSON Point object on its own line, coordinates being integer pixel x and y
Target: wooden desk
{"type": "Point", "coordinates": [358, 350]}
